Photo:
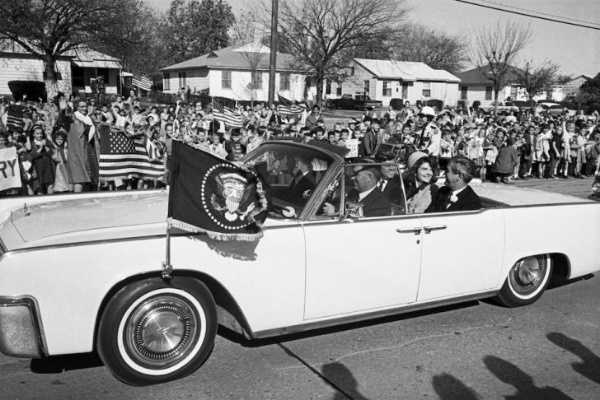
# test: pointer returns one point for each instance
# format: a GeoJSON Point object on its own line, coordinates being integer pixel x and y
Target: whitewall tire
{"type": "Point", "coordinates": [526, 281]}
{"type": "Point", "coordinates": [152, 331]}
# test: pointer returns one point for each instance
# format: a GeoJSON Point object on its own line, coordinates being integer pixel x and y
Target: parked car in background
{"type": "Point", "coordinates": [82, 272]}
{"type": "Point", "coordinates": [357, 102]}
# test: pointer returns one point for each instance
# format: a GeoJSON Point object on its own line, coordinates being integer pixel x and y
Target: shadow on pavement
{"type": "Point", "coordinates": [345, 383]}
{"type": "Point", "coordinates": [590, 367]}
{"type": "Point", "coordinates": [58, 364]}
{"type": "Point", "coordinates": [526, 388]}
{"type": "Point", "coordinates": [449, 387]}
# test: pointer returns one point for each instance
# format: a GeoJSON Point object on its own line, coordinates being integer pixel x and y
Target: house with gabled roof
{"type": "Point", "coordinates": [75, 69]}
{"type": "Point", "coordinates": [238, 73]}
{"type": "Point", "coordinates": [385, 80]}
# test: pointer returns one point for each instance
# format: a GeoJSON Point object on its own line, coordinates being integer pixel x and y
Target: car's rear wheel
{"type": "Point", "coordinates": [526, 281]}
{"type": "Point", "coordinates": [152, 331]}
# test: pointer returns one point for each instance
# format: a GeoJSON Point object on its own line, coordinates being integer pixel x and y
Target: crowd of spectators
{"type": "Point", "coordinates": [59, 146]}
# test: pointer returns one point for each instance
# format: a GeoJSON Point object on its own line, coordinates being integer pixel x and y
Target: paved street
{"type": "Point", "coordinates": [550, 350]}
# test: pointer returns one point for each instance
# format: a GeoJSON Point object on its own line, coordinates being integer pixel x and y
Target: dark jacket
{"type": "Point", "coordinates": [375, 204]}
{"type": "Point", "coordinates": [506, 161]}
{"type": "Point", "coordinates": [467, 200]}
{"type": "Point", "coordinates": [301, 184]}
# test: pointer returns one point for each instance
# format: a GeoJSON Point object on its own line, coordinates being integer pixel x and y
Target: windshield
{"type": "Point", "coordinates": [290, 173]}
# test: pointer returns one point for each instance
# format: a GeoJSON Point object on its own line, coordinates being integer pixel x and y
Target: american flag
{"type": "Point", "coordinates": [293, 110]}
{"type": "Point", "coordinates": [142, 82]}
{"type": "Point", "coordinates": [230, 118]}
{"type": "Point", "coordinates": [124, 157]}
{"type": "Point", "coordinates": [14, 119]}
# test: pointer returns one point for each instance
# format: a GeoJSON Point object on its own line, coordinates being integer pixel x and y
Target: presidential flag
{"type": "Point", "coordinates": [123, 157]}
{"type": "Point", "coordinates": [210, 195]}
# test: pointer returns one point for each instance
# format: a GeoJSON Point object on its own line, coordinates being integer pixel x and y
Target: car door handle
{"type": "Point", "coordinates": [416, 230]}
{"type": "Point", "coordinates": [429, 229]}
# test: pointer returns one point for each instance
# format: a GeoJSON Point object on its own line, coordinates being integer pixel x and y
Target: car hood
{"type": "Point", "coordinates": [85, 218]}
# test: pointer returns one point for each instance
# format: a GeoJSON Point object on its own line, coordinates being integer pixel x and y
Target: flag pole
{"type": "Point", "coordinates": [167, 268]}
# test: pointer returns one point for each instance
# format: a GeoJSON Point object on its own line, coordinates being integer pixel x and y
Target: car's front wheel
{"type": "Point", "coordinates": [526, 281]}
{"type": "Point", "coordinates": [153, 331]}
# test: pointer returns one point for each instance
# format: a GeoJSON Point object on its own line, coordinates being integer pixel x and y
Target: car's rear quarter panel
{"type": "Point", "coordinates": [569, 229]}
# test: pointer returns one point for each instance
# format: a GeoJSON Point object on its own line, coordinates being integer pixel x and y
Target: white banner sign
{"type": "Point", "coordinates": [10, 174]}
{"type": "Point", "coordinates": [352, 145]}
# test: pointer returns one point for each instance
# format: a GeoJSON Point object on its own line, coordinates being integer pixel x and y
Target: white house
{"type": "Point", "coordinates": [387, 79]}
{"type": "Point", "coordinates": [237, 73]}
{"type": "Point", "coordinates": [572, 88]}
{"type": "Point", "coordinates": [476, 86]}
{"type": "Point", "coordinates": [75, 68]}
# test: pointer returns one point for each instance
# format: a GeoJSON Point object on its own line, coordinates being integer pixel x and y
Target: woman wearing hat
{"type": "Point", "coordinates": [420, 190]}
{"type": "Point", "coordinates": [41, 158]}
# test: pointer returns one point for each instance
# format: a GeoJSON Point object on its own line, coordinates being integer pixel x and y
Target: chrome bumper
{"type": "Point", "coordinates": [20, 328]}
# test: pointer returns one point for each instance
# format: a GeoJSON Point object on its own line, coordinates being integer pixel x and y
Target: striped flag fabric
{"type": "Point", "coordinates": [14, 120]}
{"type": "Point", "coordinates": [293, 110]}
{"type": "Point", "coordinates": [124, 157]}
{"type": "Point", "coordinates": [142, 82]}
{"type": "Point", "coordinates": [229, 117]}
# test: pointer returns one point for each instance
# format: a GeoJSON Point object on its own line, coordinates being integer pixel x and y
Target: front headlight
{"type": "Point", "coordinates": [20, 330]}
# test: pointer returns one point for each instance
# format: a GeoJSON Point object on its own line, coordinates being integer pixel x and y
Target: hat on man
{"type": "Point", "coordinates": [414, 157]}
{"type": "Point", "coordinates": [427, 111]}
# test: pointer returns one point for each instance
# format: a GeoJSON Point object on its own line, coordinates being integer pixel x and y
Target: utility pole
{"type": "Point", "coordinates": [273, 61]}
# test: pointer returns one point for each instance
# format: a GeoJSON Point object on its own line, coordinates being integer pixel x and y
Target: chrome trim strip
{"type": "Point", "coordinates": [31, 303]}
{"type": "Point", "coordinates": [289, 330]}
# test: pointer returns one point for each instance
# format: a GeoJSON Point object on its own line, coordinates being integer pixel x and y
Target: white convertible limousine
{"type": "Point", "coordinates": [82, 273]}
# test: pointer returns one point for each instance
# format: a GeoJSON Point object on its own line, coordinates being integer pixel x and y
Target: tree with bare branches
{"type": "Point", "coordinates": [325, 34]}
{"type": "Point", "coordinates": [496, 48]}
{"type": "Point", "coordinates": [536, 79]}
{"type": "Point", "coordinates": [49, 29]}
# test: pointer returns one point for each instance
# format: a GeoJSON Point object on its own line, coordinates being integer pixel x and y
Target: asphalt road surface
{"type": "Point", "coordinates": [476, 350]}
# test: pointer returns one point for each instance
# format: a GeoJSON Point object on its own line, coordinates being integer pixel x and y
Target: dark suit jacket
{"type": "Point", "coordinates": [467, 200]}
{"type": "Point", "coordinates": [300, 185]}
{"type": "Point", "coordinates": [376, 204]}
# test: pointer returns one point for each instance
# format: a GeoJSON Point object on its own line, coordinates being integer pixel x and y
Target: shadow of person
{"type": "Point", "coordinates": [526, 389]}
{"type": "Point", "coordinates": [590, 367]}
{"type": "Point", "coordinates": [342, 380]}
{"type": "Point", "coordinates": [448, 387]}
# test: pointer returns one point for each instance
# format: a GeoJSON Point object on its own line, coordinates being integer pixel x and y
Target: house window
{"type": "Point", "coordinates": [405, 90]}
{"type": "Point", "coordinates": [366, 86]}
{"type": "Point", "coordinates": [327, 86]}
{"type": "Point", "coordinates": [105, 74]}
{"type": "Point", "coordinates": [284, 82]}
{"type": "Point", "coordinates": [488, 93]}
{"type": "Point", "coordinates": [426, 89]}
{"type": "Point", "coordinates": [78, 77]}
{"type": "Point", "coordinates": [166, 81]}
{"type": "Point", "coordinates": [182, 80]}
{"type": "Point", "coordinates": [338, 90]}
{"type": "Point", "coordinates": [387, 88]}
{"type": "Point", "coordinates": [463, 92]}
{"type": "Point", "coordinates": [225, 79]}
{"type": "Point", "coordinates": [257, 80]}
{"type": "Point", "coordinates": [513, 92]}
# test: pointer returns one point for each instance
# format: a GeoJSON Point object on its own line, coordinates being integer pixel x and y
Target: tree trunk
{"type": "Point", "coordinates": [320, 78]}
{"type": "Point", "coordinates": [50, 79]}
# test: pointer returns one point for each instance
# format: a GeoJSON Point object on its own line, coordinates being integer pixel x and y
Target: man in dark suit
{"type": "Point", "coordinates": [456, 195]}
{"type": "Point", "coordinates": [391, 186]}
{"type": "Point", "coordinates": [303, 183]}
{"type": "Point", "coordinates": [372, 202]}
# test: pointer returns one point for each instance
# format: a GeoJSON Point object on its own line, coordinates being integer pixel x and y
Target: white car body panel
{"type": "Point", "coordinates": [70, 273]}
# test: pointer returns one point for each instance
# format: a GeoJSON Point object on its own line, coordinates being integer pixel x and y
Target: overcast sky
{"type": "Point", "coordinates": [575, 50]}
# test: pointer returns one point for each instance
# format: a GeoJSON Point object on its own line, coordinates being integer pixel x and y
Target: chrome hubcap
{"type": "Point", "coordinates": [161, 331]}
{"type": "Point", "coordinates": [528, 274]}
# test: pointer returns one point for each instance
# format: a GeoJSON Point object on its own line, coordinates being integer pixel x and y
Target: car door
{"type": "Point", "coordinates": [360, 264]}
{"type": "Point", "coordinates": [462, 253]}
